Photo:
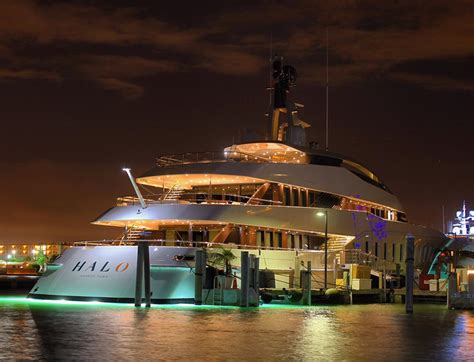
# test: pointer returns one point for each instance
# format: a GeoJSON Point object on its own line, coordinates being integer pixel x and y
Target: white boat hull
{"type": "Point", "coordinates": [108, 273]}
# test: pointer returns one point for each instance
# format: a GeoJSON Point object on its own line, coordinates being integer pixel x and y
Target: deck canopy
{"type": "Point", "coordinates": [187, 181]}
{"type": "Point", "coordinates": [267, 151]}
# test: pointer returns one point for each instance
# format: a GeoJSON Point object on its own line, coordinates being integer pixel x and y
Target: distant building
{"type": "Point", "coordinates": [20, 252]}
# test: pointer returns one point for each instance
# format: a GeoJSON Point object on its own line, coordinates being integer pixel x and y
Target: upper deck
{"type": "Point", "coordinates": [273, 152]}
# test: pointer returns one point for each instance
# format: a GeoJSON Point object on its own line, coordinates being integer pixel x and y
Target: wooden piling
{"type": "Point", "coordinates": [244, 278]}
{"type": "Point", "coordinates": [452, 288]}
{"type": "Point", "coordinates": [307, 284]}
{"type": "Point", "coordinates": [139, 276]}
{"type": "Point", "coordinates": [147, 274]}
{"type": "Point", "coordinates": [409, 280]}
{"type": "Point", "coordinates": [198, 277]}
{"type": "Point", "coordinates": [256, 278]}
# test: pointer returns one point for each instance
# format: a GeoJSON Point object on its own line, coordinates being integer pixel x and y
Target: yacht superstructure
{"type": "Point", "coordinates": [276, 196]}
{"type": "Point", "coordinates": [270, 194]}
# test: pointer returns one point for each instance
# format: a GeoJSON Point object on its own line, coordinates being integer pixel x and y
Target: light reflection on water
{"type": "Point", "coordinates": [39, 330]}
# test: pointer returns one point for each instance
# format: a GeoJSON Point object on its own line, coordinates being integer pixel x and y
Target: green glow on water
{"type": "Point", "coordinates": [97, 304]}
{"type": "Point", "coordinates": [23, 301]}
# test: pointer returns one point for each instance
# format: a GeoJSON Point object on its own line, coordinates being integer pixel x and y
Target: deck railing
{"type": "Point", "coordinates": [184, 244]}
{"type": "Point", "coordinates": [357, 256]}
{"type": "Point", "coordinates": [195, 198]}
{"type": "Point", "coordinates": [207, 157]}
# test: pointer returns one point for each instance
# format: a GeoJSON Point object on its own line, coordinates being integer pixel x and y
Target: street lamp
{"type": "Point", "coordinates": [325, 214]}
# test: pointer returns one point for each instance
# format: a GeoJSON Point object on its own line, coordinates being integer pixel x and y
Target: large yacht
{"type": "Point", "coordinates": [279, 197]}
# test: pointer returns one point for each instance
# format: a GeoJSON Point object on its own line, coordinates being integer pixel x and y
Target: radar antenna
{"type": "Point", "coordinates": [283, 77]}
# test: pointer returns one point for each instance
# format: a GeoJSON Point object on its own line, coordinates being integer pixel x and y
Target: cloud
{"type": "Point", "coordinates": [117, 47]}
{"type": "Point", "coordinates": [128, 90]}
{"type": "Point", "coordinates": [28, 74]}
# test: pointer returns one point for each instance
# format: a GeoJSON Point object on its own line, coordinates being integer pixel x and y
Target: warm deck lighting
{"type": "Point", "coordinates": [320, 213]}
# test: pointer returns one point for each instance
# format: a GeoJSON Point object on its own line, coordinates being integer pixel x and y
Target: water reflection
{"type": "Point", "coordinates": [375, 332]}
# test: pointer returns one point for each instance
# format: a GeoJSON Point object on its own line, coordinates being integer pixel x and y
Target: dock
{"type": "Point", "coordinates": [421, 296]}
{"type": "Point", "coordinates": [17, 281]}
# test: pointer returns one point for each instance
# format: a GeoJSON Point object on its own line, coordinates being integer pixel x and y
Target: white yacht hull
{"type": "Point", "coordinates": [107, 273]}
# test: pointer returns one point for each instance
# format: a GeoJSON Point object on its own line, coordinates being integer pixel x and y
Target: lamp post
{"type": "Point", "coordinates": [325, 214]}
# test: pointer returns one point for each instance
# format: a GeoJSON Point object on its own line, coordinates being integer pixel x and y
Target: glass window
{"type": "Point", "coordinates": [295, 197]}
{"type": "Point", "coordinates": [270, 237]}
{"type": "Point", "coordinates": [279, 240]}
{"type": "Point", "coordinates": [260, 238]}
{"type": "Point", "coordinates": [287, 196]}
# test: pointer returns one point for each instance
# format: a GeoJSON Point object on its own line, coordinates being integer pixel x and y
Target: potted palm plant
{"type": "Point", "coordinates": [223, 257]}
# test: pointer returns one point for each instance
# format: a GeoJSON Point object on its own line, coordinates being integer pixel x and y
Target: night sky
{"type": "Point", "coordinates": [87, 87]}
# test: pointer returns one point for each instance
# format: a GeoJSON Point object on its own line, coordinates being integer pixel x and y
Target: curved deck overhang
{"type": "Point", "coordinates": [335, 180]}
{"type": "Point", "coordinates": [358, 225]}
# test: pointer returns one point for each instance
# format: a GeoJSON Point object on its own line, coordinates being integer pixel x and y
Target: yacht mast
{"type": "Point", "coordinates": [327, 89]}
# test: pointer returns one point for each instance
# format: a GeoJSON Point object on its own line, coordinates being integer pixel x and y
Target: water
{"type": "Point", "coordinates": [68, 330]}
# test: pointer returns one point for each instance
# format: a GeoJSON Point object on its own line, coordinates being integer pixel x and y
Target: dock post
{"type": "Point", "coordinates": [452, 288]}
{"type": "Point", "coordinates": [308, 282]}
{"type": "Point", "coordinates": [256, 278]}
{"type": "Point", "coordinates": [381, 288]}
{"type": "Point", "coordinates": [147, 273]}
{"type": "Point", "coordinates": [252, 281]}
{"type": "Point", "coordinates": [139, 276]}
{"type": "Point", "coordinates": [244, 281]}
{"type": "Point", "coordinates": [409, 280]}
{"type": "Point", "coordinates": [251, 273]}
{"type": "Point", "coordinates": [198, 276]}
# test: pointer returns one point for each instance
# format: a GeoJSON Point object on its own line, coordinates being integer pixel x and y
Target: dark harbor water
{"type": "Point", "coordinates": [67, 330]}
